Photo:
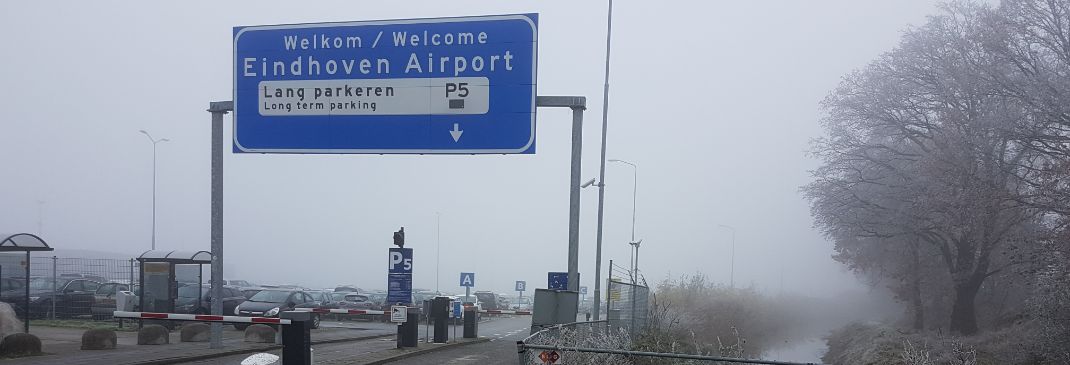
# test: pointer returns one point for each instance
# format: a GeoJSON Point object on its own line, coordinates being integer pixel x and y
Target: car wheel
{"type": "Point", "coordinates": [315, 321]}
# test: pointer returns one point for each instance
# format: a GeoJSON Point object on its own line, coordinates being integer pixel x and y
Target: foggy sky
{"type": "Point", "coordinates": [715, 101]}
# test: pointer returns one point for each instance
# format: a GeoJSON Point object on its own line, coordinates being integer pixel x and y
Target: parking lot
{"type": "Point", "coordinates": [62, 345]}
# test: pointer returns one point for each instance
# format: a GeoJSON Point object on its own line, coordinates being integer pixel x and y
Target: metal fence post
{"type": "Point", "coordinates": [55, 260]}
{"type": "Point", "coordinates": [521, 352]}
{"type": "Point", "coordinates": [131, 274]}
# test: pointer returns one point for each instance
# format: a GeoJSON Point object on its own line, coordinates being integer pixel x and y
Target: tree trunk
{"type": "Point", "coordinates": [964, 310]}
{"type": "Point", "coordinates": [915, 289]}
{"type": "Point", "coordinates": [919, 307]}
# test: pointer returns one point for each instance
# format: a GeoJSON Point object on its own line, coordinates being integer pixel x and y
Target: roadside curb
{"type": "Point", "coordinates": [421, 351]}
{"type": "Point", "coordinates": [182, 359]}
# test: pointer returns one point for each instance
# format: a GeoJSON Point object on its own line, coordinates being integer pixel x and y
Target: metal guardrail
{"type": "Point", "coordinates": [600, 342]}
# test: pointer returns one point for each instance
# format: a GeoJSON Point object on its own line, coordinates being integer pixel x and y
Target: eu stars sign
{"type": "Point", "coordinates": [418, 86]}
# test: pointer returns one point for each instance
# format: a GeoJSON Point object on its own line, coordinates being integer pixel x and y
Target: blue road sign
{"type": "Point", "coordinates": [557, 280]}
{"type": "Point", "coordinates": [400, 261]}
{"type": "Point", "coordinates": [457, 309]}
{"type": "Point", "coordinates": [417, 86]}
{"type": "Point", "coordinates": [521, 285]}
{"type": "Point", "coordinates": [468, 279]}
{"type": "Point", "coordinates": [399, 276]}
{"type": "Point", "coordinates": [583, 290]}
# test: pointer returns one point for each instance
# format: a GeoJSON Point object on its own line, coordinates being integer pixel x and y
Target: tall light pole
{"type": "Point", "coordinates": [633, 242]}
{"type": "Point", "coordinates": [438, 248]}
{"type": "Point", "coordinates": [154, 142]}
{"type": "Point", "coordinates": [732, 275]}
{"type": "Point", "coordinates": [602, 172]}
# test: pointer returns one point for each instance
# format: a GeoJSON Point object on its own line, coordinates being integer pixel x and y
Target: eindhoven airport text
{"type": "Point", "coordinates": [311, 66]}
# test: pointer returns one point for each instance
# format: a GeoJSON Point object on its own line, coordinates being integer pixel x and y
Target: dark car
{"type": "Point", "coordinates": [249, 293]}
{"type": "Point", "coordinates": [193, 301]}
{"type": "Point", "coordinates": [73, 297]}
{"type": "Point", "coordinates": [11, 284]}
{"type": "Point", "coordinates": [269, 302]}
{"type": "Point", "coordinates": [321, 300]}
{"type": "Point", "coordinates": [104, 298]}
{"type": "Point", "coordinates": [489, 300]}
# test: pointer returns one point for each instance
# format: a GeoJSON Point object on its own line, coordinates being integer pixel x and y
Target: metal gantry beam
{"type": "Point", "coordinates": [578, 104]}
{"type": "Point", "coordinates": [218, 109]}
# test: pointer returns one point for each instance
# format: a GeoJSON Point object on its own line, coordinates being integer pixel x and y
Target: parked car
{"type": "Point", "coordinates": [73, 297]}
{"type": "Point", "coordinates": [12, 290]}
{"type": "Point", "coordinates": [239, 283]}
{"type": "Point", "coordinates": [321, 300]}
{"type": "Point", "coordinates": [104, 298]}
{"type": "Point", "coordinates": [377, 300]}
{"type": "Point", "coordinates": [269, 302]}
{"type": "Point", "coordinates": [11, 284]}
{"type": "Point", "coordinates": [187, 300]}
{"type": "Point", "coordinates": [488, 300]}
{"type": "Point", "coordinates": [347, 289]}
{"type": "Point", "coordinates": [523, 304]}
{"type": "Point", "coordinates": [358, 301]}
{"type": "Point", "coordinates": [249, 293]}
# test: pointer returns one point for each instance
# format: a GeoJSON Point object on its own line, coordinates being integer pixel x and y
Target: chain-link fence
{"type": "Point", "coordinates": [629, 306]}
{"type": "Point", "coordinates": [66, 288]}
{"type": "Point", "coordinates": [595, 334]}
{"type": "Point", "coordinates": [627, 299]}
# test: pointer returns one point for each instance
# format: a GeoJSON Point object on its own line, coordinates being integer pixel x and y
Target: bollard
{"type": "Point", "coordinates": [471, 322]}
{"type": "Point", "coordinates": [297, 338]}
{"type": "Point", "coordinates": [409, 331]}
{"type": "Point", "coordinates": [440, 310]}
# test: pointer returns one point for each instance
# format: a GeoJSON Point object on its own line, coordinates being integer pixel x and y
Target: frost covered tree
{"type": "Point", "coordinates": [945, 148]}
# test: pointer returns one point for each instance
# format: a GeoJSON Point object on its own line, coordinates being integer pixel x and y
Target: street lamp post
{"type": "Point", "coordinates": [602, 170]}
{"type": "Point", "coordinates": [732, 274]}
{"type": "Point", "coordinates": [438, 249]}
{"type": "Point", "coordinates": [633, 242]}
{"type": "Point", "coordinates": [154, 142]}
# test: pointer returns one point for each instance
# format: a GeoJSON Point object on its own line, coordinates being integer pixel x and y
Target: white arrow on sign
{"type": "Point", "coordinates": [456, 132]}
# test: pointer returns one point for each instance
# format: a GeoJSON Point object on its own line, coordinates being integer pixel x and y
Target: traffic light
{"type": "Point", "coordinates": [399, 237]}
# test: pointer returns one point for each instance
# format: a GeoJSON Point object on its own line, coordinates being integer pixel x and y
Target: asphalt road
{"type": "Point", "coordinates": [503, 333]}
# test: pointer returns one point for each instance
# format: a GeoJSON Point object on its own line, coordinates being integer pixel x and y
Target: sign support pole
{"type": "Point", "coordinates": [578, 104]}
{"type": "Point", "coordinates": [218, 109]}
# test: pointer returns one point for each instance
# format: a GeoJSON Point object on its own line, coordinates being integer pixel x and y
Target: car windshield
{"type": "Point", "coordinates": [356, 298]}
{"type": "Point", "coordinates": [271, 296]}
{"type": "Point", "coordinates": [46, 283]}
{"type": "Point", "coordinates": [190, 291]}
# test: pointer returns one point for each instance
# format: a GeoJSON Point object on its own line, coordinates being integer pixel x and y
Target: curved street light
{"type": "Point", "coordinates": [633, 242]}
{"type": "Point", "coordinates": [154, 142]}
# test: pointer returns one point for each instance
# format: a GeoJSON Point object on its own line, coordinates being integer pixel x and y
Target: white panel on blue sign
{"type": "Point", "coordinates": [419, 86]}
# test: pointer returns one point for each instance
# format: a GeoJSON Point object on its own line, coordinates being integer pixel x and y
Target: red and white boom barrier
{"type": "Point", "coordinates": [494, 311]}
{"type": "Point", "coordinates": [199, 317]}
{"type": "Point", "coordinates": [340, 311]}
